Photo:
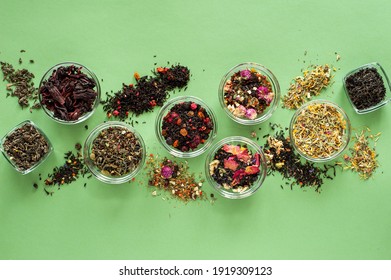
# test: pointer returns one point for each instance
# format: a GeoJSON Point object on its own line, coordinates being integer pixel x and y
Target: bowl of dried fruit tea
{"type": "Point", "coordinates": [367, 88]}
{"type": "Point", "coordinates": [186, 126]}
{"type": "Point", "coordinates": [249, 93]}
{"type": "Point", "coordinates": [319, 130]}
{"type": "Point", "coordinates": [69, 93]}
{"type": "Point", "coordinates": [25, 147]}
{"type": "Point", "coordinates": [236, 167]}
{"type": "Point", "coordinates": [114, 152]}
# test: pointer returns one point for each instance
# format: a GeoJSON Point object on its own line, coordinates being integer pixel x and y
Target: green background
{"type": "Point", "coordinates": [350, 219]}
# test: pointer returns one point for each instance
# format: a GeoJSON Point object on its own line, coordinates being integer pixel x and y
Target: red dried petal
{"type": "Point", "coordinates": [231, 164]}
{"type": "Point", "coordinates": [257, 159]}
{"type": "Point", "coordinates": [250, 170]}
{"type": "Point", "coordinates": [238, 175]}
{"type": "Point", "coordinates": [243, 155]}
{"type": "Point", "coordinates": [231, 149]}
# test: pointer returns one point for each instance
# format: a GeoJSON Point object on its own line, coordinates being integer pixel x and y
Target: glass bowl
{"type": "Point", "coordinates": [84, 70]}
{"type": "Point", "coordinates": [237, 113]}
{"type": "Point", "coordinates": [95, 170]}
{"type": "Point", "coordinates": [387, 98]}
{"type": "Point", "coordinates": [195, 145]}
{"type": "Point", "coordinates": [9, 157]}
{"type": "Point", "coordinates": [211, 163]}
{"type": "Point", "coordinates": [340, 143]}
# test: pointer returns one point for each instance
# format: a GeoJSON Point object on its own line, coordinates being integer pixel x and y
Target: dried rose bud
{"type": "Point", "coordinates": [263, 90]}
{"type": "Point", "coordinates": [166, 172]}
{"type": "Point", "coordinates": [245, 74]}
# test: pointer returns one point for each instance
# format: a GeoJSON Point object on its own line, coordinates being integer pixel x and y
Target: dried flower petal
{"type": "Point", "coordinates": [231, 149]}
{"type": "Point", "coordinates": [257, 159]}
{"type": "Point", "coordinates": [245, 74]}
{"type": "Point", "coordinates": [243, 155]}
{"type": "Point", "coordinates": [263, 90]}
{"type": "Point", "coordinates": [251, 170]}
{"type": "Point", "coordinates": [231, 164]}
{"type": "Point", "coordinates": [268, 97]}
{"type": "Point", "coordinates": [238, 175]}
{"type": "Point", "coordinates": [251, 114]}
{"type": "Point", "coordinates": [240, 111]}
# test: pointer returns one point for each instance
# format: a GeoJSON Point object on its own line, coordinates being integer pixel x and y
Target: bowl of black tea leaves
{"type": "Point", "coordinates": [114, 152]}
{"type": "Point", "coordinates": [367, 88]}
{"type": "Point", "coordinates": [236, 167]}
{"type": "Point", "coordinates": [25, 147]}
{"type": "Point", "coordinates": [69, 93]}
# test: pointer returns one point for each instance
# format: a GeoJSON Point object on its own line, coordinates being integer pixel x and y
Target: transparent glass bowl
{"type": "Point", "coordinates": [9, 157]}
{"type": "Point", "coordinates": [267, 113]}
{"type": "Point", "coordinates": [386, 82]}
{"type": "Point", "coordinates": [95, 170]}
{"type": "Point", "coordinates": [345, 136]}
{"type": "Point", "coordinates": [86, 71]}
{"type": "Point", "coordinates": [254, 148]}
{"type": "Point", "coordinates": [201, 148]}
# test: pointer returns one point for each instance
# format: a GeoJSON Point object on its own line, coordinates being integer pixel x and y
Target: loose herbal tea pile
{"type": "Point", "coordinates": [174, 178]}
{"type": "Point", "coordinates": [365, 88]}
{"type": "Point", "coordinates": [235, 167]}
{"type": "Point", "coordinates": [25, 146]}
{"type": "Point", "coordinates": [69, 171]}
{"type": "Point", "coordinates": [21, 85]}
{"type": "Point", "coordinates": [363, 157]}
{"type": "Point", "coordinates": [148, 92]}
{"type": "Point", "coordinates": [313, 81]}
{"type": "Point", "coordinates": [69, 93]}
{"type": "Point", "coordinates": [319, 130]}
{"type": "Point", "coordinates": [116, 151]}
{"type": "Point", "coordinates": [248, 93]}
{"type": "Point", "coordinates": [281, 158]}
{"type": "Point", "coordinates": [186, 126]}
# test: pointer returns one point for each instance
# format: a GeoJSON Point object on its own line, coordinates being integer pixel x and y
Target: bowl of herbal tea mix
{"type": "Point", "coordinates": [69, 93]}
{"type": "Point", "coordinates": [319, 130]}
{"type": "Point", "coordinates": [249, 93]}
{"type": "Point", "coordinates": [236, 167]}
{"type": "Point", "coordinates": [25, 147]}
{"type": "Point", "coordinates": [186, 126]}
{"type": "Point", "coordinates": [114, 152]}
{"type": "Point", "coordinates": [367, 88]}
